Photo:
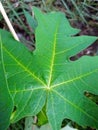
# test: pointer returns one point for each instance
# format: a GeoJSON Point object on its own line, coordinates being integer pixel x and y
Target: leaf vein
{"type": "Point", "coordinates": [23, 67]}
{"type": "Point", "coordinates": [74, 105]}
{"type": "Point", "coordinates": [74, 79]}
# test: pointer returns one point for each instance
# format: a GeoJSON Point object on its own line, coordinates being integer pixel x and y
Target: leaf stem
{"type": "Point", "coordinates": [8, 22]}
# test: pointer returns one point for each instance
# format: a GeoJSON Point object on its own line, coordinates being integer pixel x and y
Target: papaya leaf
{"type": "Point", "coordinates": [6, 104]}
{"type": "Point", "coordinates": [48, 77]}
{"type": "Point", "coordinates": [30, 20]}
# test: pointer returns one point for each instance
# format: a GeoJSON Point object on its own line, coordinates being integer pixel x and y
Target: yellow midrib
{"type": "Point", "coordinates": [74, 79]}
{"type": "Point", "coordinates": [52, 61]}
{"type": "Point", "coordinates": [23, 67]}
{"type": "Point", "coordinates": [75, 106]}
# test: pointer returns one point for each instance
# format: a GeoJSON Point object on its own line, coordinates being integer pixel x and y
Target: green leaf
{"type": "Point", "coordinates": [6, 104]}
{"type": "Point", "coordinates": [30, 20]}
{"type": "Point", "coordinates": [48, 77]}
{"type": "Point", "coordinates": [42, 117]}
{"type": "Point", "coordinates": [27, 89]}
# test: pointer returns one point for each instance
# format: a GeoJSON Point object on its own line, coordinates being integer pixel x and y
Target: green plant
{"type": "Point", "coordinates": [83, 11]}
{"type": "Point", "coordinates": [46, 79]}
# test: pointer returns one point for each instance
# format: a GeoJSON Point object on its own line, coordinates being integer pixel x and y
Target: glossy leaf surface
{"type": "Point", "coordinates": [47, 76]}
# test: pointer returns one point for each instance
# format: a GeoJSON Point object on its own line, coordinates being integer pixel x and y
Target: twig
{"type": "Point", "coordinates": [8, 22]}
{"type": "Point", "coordinates": [34, 121]}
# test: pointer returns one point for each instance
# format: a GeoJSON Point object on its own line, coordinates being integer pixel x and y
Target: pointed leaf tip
{"type": "Point", "coordinates": [48, 77]}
